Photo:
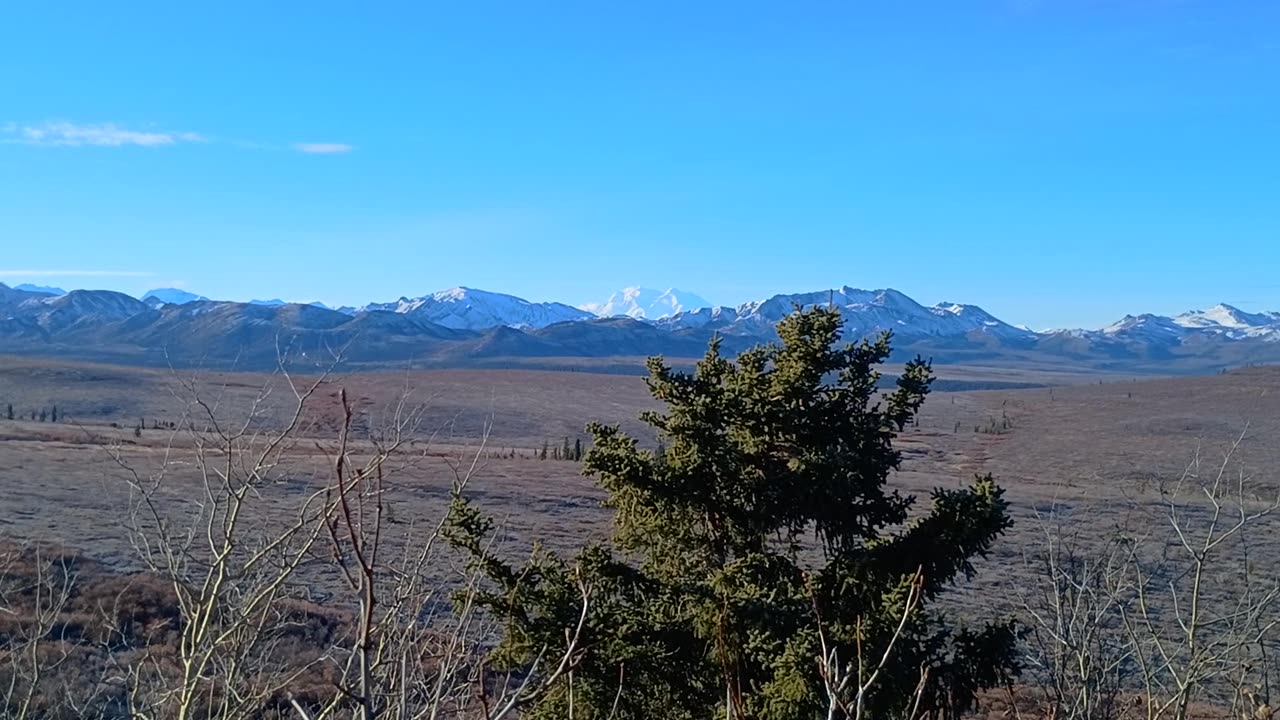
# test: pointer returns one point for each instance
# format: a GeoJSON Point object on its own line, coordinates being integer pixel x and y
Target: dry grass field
{"type": "Point", "coordinates": [1100, 445]}
{"type": "Point", "coordinates": [1087, 458]}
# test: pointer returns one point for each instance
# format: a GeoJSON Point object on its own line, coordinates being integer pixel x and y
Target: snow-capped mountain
{"type": "Point", "coordinates": [646, 304]}
{"type": "Point", "coordinates": [42, 289]}
{"type": "Point", "coordinates": [80, 308]}
{"type": "Point", "coordinates": [468, 327]}
{"type": "Point", "coordinates": [464, 308]}
{"type": "Point", "coordinates": [1221, 321]}
{"type": "Point", "coordinates": [170, 296]}
{"type": "Point", "coordinates": [1146, 324]}
{"type": "Point", "coordinates": [866, 312]}
{"type": "Point", "coordinates": [1231, 321]}
{"type": "Point", "coordinates": [1219, 336]}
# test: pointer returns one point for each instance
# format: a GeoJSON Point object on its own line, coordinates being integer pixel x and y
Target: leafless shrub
{"type": "Point", "coordinates": [1169, 617]}
{"type": "Point", "coordinates": [232, 574]}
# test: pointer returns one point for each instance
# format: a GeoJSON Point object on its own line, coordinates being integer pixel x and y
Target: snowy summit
{"type": "Point", "coordinates": [463, 308]}
{"type": "Point", "coordinates": [646, 304]}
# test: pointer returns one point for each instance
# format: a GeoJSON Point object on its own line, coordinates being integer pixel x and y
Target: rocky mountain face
{"type": "Point", "coordinates": [467, 327]}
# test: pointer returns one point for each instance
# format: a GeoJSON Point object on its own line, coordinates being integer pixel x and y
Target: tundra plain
{"type": "Point", "coordinates": [1086, 461]}
{"type": "Point", "coordinates": [1104, 444]}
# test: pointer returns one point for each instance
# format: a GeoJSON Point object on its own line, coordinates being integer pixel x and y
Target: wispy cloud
{"type": "Point", "coordinates": [74, 273]}
{"type": "Point", "coordinates": [323, 148]}
{"type": "Point", "coordinates": [67, 134]}
{"type": "Point", "coordinates": [61, 133]}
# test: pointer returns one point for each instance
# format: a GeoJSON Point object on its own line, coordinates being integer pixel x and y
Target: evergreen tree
{"type": "Point", "coordinates": [44, 415]}
{"type": "Point", "coordinates": [54, 417]}
{"type": "Point", "coordinates": [10, 411]}
{"type": "Point", "coordinates": [760, 532]}
{"type": "Point", "coordinates": [577, 449]}
{"type": "Point", "coordinates": [566, 452]}
{"type": "Point", "coordinates": [543, 455]}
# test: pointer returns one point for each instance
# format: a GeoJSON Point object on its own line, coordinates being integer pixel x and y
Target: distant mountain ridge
{"type": "Point", "coordinates": [170, 296]}
{"type": "Point", "coordinates": [866, 312]}
{"type": "Point", "coordinates": [466, 326]}
{"type": "Point", "coordinates": [46, 289]}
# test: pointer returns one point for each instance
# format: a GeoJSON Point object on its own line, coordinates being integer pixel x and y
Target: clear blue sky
{"type": "Point", "coordinates": [1059, 162]}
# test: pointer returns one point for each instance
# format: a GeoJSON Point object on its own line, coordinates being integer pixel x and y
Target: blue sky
{"type": "Point", "coordinates": [1059, 162]}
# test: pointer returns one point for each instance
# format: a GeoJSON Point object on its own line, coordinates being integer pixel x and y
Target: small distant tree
{"type": "Point", "coordinates": [44, 415]}
{"type": "Point", "coordinates": [10, 411]}
{"type": "Point", "coordinates": [577, 449]}
{"type": "Point", "coordinates": [54, 414]}
{"type": "Point", "coordinates": [566, 451]}
{"type": "Point", "coordinates": [762, 570]}
{"type": "Point", "coordinates": [34, 415]}
{"type": "Point", "coordinates": [543, 454]}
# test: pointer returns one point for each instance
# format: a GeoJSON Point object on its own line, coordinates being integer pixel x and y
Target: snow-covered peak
{"type": "Point", "coordinates": [81, 306]}
{"type": "Point", "coordinates": [462, 294]}
{"type": "Point", "coordinates": [470, 309]}
{"type": "Point", "coordinates": [1146, 324]}
{"type": "Point", "coordinates": [1226, 316]}
{"type": "Point", "coordinates": [170, 296]}
{"type": "Point", "coordinates": [866, 312]}
{"type": "Point", "coordinates": [646, 303]}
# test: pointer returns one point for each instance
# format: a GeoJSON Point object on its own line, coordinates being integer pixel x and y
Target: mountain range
{"type": "Point", "coordinates": [468, 327]}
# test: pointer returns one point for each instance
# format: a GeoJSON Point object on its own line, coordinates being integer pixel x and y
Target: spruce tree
{"type": "Point", "coordinates": [10, 411]}
{"type": "Point", "coordinates": [763, 531]}
{"type": "Point", "coordinates": [577, 449]}
{"type": "Point", "coordinates": [54, 417]}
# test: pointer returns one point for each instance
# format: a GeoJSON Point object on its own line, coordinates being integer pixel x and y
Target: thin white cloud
{"type": "Point", "coordinates": [61, 133]}
{"type": "Point", "coordinates": [73, 273]}
{"type": "Point", "coordinates": [67, 134]}
{"type": "Point", "coordinates": [323, 148]}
